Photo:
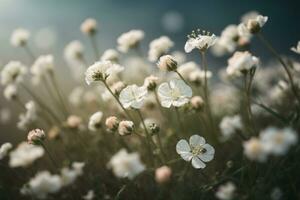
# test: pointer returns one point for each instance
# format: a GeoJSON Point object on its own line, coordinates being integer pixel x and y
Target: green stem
{"type": "Point", "coordinates": [30, 53]}
{"type": "Point", "coordinates": [181, 77]}
{"type": "Point", "coordinates": [49, 155]}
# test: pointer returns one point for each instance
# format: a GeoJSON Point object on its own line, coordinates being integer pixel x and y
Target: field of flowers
{"type": "Point", "coordinates": [154, 125]}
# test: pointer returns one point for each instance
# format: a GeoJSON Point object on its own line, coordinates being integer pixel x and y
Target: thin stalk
{"type": "Point", "coordinates": [181, 77]}
{"type": "Point", "coordinates": [50, 156]}
{"type": "Point", "coordinates": [161, 148]}
{"type": "Point", "coordinates": [95, 46]}
{"type": "Point", "coordinates": [179, 120]}
{"type": "Point", "coordinates": [29, 52]}
{"type": "Point", "coordinates": [248, 102]}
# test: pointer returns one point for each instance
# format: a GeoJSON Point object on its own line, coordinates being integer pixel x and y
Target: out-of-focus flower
{"type": "Point", "coordinates": [126, 165]}
{"type": "Point", "coordinates": [75, 97]}
{"type": "Point", "coordinates": [4, 149]}
{"type": "Point", "coordinates": [179, 56]}
{"type": "Point", "coordinates": [197, 103]}
{"type": "Point", "coordinates": [151, 82]}
{"type": "Point", "coordinates": [226, 191]}
{"type": "Point", "coordinates": [278, 141]}
{"type": "Point", "coordinates": [95, 121]}
{"type": "Point", "coordinates": [42, 184]}
{"type": "Point", "coordinates": [111, 55]}
{"type": "Point", "coordinates": [133, 96]}
{"type": "Point", "coordinates": [159, 47]}
{"type": "Point", "coordinates": [25, 119]}
{"type": "Point", "coordinates": [90, 195]}
{"type": "Point", "coordinates": [241, 62]}
{"type": "Point", "coordinates": [167, 63]}
{"type": "Point", "coordinates": [255, 150]}
{"type": "Point", "coordinates": [230, 125]}
{"type": "Point", "coordinates": [73, 51]}
{"type": "Point", "coordinates": [163, 174]}
{"type": "Point", "coordinates": [69, 175]}
{"type": "Point", "coordinates": [198, 76]}
{"type": "Point", "coordinates": [125, 127]}
{"type": "Point", "coordinates": [99, 71]}
{"type": "Point", "coordinates": [112, 123]}
{"type": "Point", "coordinates": [130, 40]}
{"type": "Point", "coordinates": [187, 68]}
{"type": "Point", "coordinates": [42, 66]}
{"type": "Point", "coordinates": [10, 92]}
{"type": "Point", "coordinates": [199, 40]}
{"type": "Point", "coordinates": [174, 93]}
{"type": "Point", "coordinates": [13, 72]}
{"type": "Point", "coordinates": [24, 155]}
{"type": "Point", "coordinates": [197, 151]}
{"type": "Point", "coordinates": [252, 25]}
{"type": "Point", "coordinates": [74, 121]}
{"type": "Point", "coordinates": [296, 49]}
{"type": "Point", "coordinates": [89, 26]}
{"type": "Point", "coordinates": [19, 37]}
{"type": "Point", "coordinates": [36, 136]}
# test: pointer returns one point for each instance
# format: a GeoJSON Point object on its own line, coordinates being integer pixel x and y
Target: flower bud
{"type": "Point", "coordinates": [167, 63]}
{"type": "Point", "coordinates": [153, 128]}
{"type": "Point", "coordinates": [74, 121]}
{"type": "Point", "coordinates": [253, 26]}
{"type": "Point", "coordinates": [151, 82]}
{"type": "Point", "coordinates": [197, 103]}
{"type": "Point", "coordinates": [89, 26]}
{"type": "Point", "coordinates": [163, 174]}
{"type": "Point", "coordinates": [54, 133]}
{"type": "Point", "coordinates": [10, 92]}
{"type": "Point", "coordinates": [125, 127]}
{"type": "Point", "coordinates": [112, 123]}
{"type": "Point", "coordinates": [36, 136]}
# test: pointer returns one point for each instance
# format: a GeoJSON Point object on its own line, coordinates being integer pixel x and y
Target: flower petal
{"type": "Point", "coordinates": [187, 156]}
{"type": "Point", "coordinates": [197, 163]}
{"type": "Point", "coordinates": [188, 47]}
{"type": "Point", "coordinates": [196, 140]}
{"type": "Point", "coordinates": [182, 146]}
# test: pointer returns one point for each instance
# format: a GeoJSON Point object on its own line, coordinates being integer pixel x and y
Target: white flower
{"type": "Point", "coordinates": [226, 191]}
{"type": "Point", "coordinates": [30, 116]}
{"type": "Point", "coordinates": [99, 71]}
{"type": "Point", "coordinates": [25, 154]}
{"type": "Point", "coordinates": [230, 125]}
{"type": "Point", "coordinates": [4, 149]}
{"type": "Point", "coordinates": [13, 72]}
{"type": "Point", "coordinates": [19, 37]}
{"type": "Point", "coordinates": [254, 149]}
{"type": "Point", "coordinates": [133, 96]}
{"type": "Point", "coordinates": [41, 66]}
{"type": "Point", "coordinates": [197, 151]}
{"type": "Point", "coordinates": [174, 93]}
{"type": "Point", "coordinates": [95, 121]}
{"type": "Point", "coordinates": [69, 175]}
{"type": "Point", "coordinates": [10, 92]}
{"type": "Point", "coordinates": [187, 68]}
{"type": "Point", "coordinates": [278, 141]}
{"type": "Point", "coordinates": [150, 82]}
{"type": "Point", "coordinates": [297, 48]}
{"type": "Point", "coordinates": [111, 55]}
{"type": "Point", "coordinates": [75, 97]}
{"type": "Point", "coordinates": [90, 195]}
{"type": "Point", "coordinates": [73, 51]}
{"type": "Point", "coordinates": [89, 26]}
{"type": "Point", "coordinates": [199, 41]}
{"type": "Point", "coordinates": [167, 63]}
{"type": "Point", "coordinates": [129, 40]}
{"type": "Point", "coordinates": [252, 25]}
{"type": "Point", "coordinates": [35, 136]}
{"type": "Point", "coordinates": [125, 127]}
{"type": "Point", "coordinates": [241, 62]}
{"type": "Point", "coordinates": [42, 184]}
{"type": "Point", "coordinates": [126, 165]}
{"type": "Point", "coordinates": [158, 47]}
{"type": "Point", "coordinates": [198, 76]}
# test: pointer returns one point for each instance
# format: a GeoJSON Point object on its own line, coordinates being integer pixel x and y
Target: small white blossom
{"type": "Point", "coordinates": [296, 49]}
{"type": "Point", "coordinates": [95, 121]}
{"type": "Point", "coordinates": [167, 63]}
{"type": "Point", "coordinates": [10, 92]}
{"type": "Point", "coordinates": [89, 26]}
{"type": "Point", "coordinates": [133, 96]}
{"type": "Point", "coordinates": [197, 151]}
{"type": "Point", "coordinates": [35, 136]}
{"type": "Point", "coordinates": [111, 55]}
{"type": "Point", "coordinates": [129, 40]}
{"type": "Point", "coordinates": [125, 127]}
{"type": "Point", "coordinates": [69, 175]}
{"type": "Point", "coordinates": [174, 93]}
{"type": "Point", "coordinates": [179, 56]}
{"type": "Point", "coordinates": [43, 65]}
{"type": "Point", "coordinates": [90, 195]}
{"type": "Point", "coordinates": [73, 51]}
{"type": "Point", "coordinates": [13, 72]}
{"type": "Point", "coordinates": [230, 125]}
{"type": "Point", "coordinates": [126, 165]}
{"type": "Point", "coordinates": [19, 37]}
{"type": "Point", "coordinates": [4, 149]}
{"type": "Point", "coordinates": [187, 68]}
{"type": "Point", "coordinates": [25, 119]}
{"type": "Point", "coordinates": [159, 47]}
{"type": "Point", "coordinates": [199, 41]}
{"type": "Point", "coordinates": [226, 191]}
{"type": "Point", "coordinates": [99, 71]}
{"type": "Point", "coordinates": [255, 150]}
{"type": "Point", "coordinates": [75, 97]}
{"type": "Point", "coordinates": [252, 25]}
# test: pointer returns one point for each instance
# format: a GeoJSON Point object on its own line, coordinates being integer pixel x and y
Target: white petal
{"type": "Point", "coordinates": [209, 149]}
{"type": "Point", "coordinates": [206, 157]}
{"type": "Point", "coordinates": [182, 147]}
{"type": "Point", "coordinates": [187, 156]}
{"type": "Point", "coordinates": [196, 140]}
{"type": "Point", "coordinates": [188, 47]}
{"type": "Point", "coordinates": [197, 163]}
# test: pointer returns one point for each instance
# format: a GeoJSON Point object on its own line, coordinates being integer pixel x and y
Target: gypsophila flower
{"type": "Point", "coordinates": [10, 92]}
{"type": "Point", "coordinates": [198, 76]}
{"type": "Point", "coordinates": [36, 136]}
{"type": "Point", "coordinates": [125, 127]}
{"type": "Point", "coordinates": [197, 151]}
{"type": "Point", "coordinates": [133, 96]}
{"type": "Point", "coordinates": [296, 49]}
{"type": "Point", "coordinates": [199, 40]}
{"type": "Point", "coordinates": [89, 26]}
{"type": "Point", "coordinates": [99, 71]}
{"type": "Point", "coordinates": [187, 68]}
{"type": "Point", "coordinates": [13, 72]}
{"type": "Point", "coordinates": [42, 65]}
{"type": "Point", "coordinates": [4, 149]}
{"type": "Point", "coordinates": [90, 195]}
{"type": "Point", "coordinates": [167, 63]}
{"type": "Point", "coordinates": [25, 119]}
{"type": "Point", "coordinates": [95, 121]}
{"type": "Point", "coordinates": [159, 47]}
{"type": "Point", "coordinates": [19, 37]}
{"type": "Point", "coordinates": [255, 150]}
{"type": "Point", "coordinates": [226, 191]}
{"type": "Point", "coordinates": [69, 175]}
{"type": "Point", "coordinates": [197, 103]}
{"type": "Point", "coordinates": [74, 121]}
{"type": "Point", "coordinates": [230, 125]}
{"type": "Point", "coordinates": [75, 97]}
{"type": "Point", "coordinates": [111, 55]}
{"type": "Point", "coordinates": [24, 155]}
{"type": "Point", "coordinates": [252, 25]}
{"type": "Point", "coordinates": [179, 56]}
{"type": "Point", "coordinates": [129, 40]}
{"type": "Point", "coordinates": [126, 165]}
{"type": "Point", "coordinates": [112, 123]}
{"type": "Point", "coordinates": [163, 174]}
{"type": "Point", "coordinates": [174, 93]}
{"type": "Point", "coordinates": [73, 51]}
{"type": "Point", "coordinates": [150, 82]}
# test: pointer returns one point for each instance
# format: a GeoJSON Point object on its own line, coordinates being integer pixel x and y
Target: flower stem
{"type": "Point", "coordinates": [29, 52]}
{"type": "Point", "coordinates": [50, 156]}
{"type": "Point", "coordinates": [95, 46]}
{"type": "Point", "coordinates": [248, 102]}
{"type": "Point", "coordinates": [181, 77]}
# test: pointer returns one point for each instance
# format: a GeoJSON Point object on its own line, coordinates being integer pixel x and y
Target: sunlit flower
{"type": "Point", "coordinates": [19, 37]}
{"type": "Point", "coordinates": [25, 119]}
{"type": "Point", "coordinates": [174, 93]}
{"type": "Point", "coordinates": [150, 82]}
{"type": "Point", "coordinates": [4, 149]}
{"type": "Point", "coordinates": [252, 25]}
{"type": "Point", "coordinates": [255, 150]}
{"type": "Point", "coordinates": [69, 175]}
{"type": "Point", "coordinates": [230, 125]}
{"type": "Point", "coordinates": [133, 96]}
{"type": "Point", "coordinates": [99, 71]}
{"type": "Point", "coordinates": [130, 40]}
{"type": "Point", "coordinates": [163, 174]}
{"type": "Point", "coordinates": [95, 121]}
{"type": "Point", "coordinates": [167, 63]}
{"type": "Point", "coordinates": [159, 47]}
{"type": "Point", "coordinates": [13, 72]}
{"type": "Point", "coordinates": [125, 127]}
{"type": "Point", "coordinates": [199, 40]}
{"type": "Point", "coordinates": [25, 154]}
{"type": "Point", "coordinates": [73, 51]}
{"type": "Point", "coordinates": [126, 165]}
{"type": "Point", "coordinates": [74, 121]}
{"type": "Point", "coordinates": [90, 195]}
{"type": "Point", "coordinates": [111, 55]}
{"type": "Point", "coordinates": [89, 26]}
{"type": "Point", "coordinates": [226, 191]}
{"type": "Point", "coordinates": [297, 48]}
{"type": "Point", "coordinates": [112, 123]}
{"type": "Point", "coordinates": [42, 66]}
{"type": "Point", "coordinates": [10, 92]}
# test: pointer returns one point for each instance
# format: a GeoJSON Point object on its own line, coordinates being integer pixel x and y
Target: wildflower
{"type": "Point", "coordinates": [36, 136]}
{"type": "Point", "coordinates": [99, 71]}
{"type": "Point", "coordinates": [126, 165]}
{"type": "Point", "coordinates": [69, 175]}
{"type": "Point", "coordinates": [41, 66]}
{"type": "Point", "coordinates": [226, 191]}
{"type": "Point", "coordinates": [151, 82]}
{"type": "Point", "coordinates": [74, 121]}
{"type": "Point", "coordinates": [95, 121]}
{"type": "Point", "coordinates": [200, 40]}
{"type": "Point", "coordinates": [179, 56]}
{"type": "Point", "coordinates": [111, 55]}
{"type": "Point", "coordinates": [158, 47]}
{"type": "Point", "coordinates": [197, 151]}
{"type": "Point", "coordinates": [25, 119]}
{"type": "Point", "coordinates": [42, 184]}
{"type": "Point", "coordinates": [252, 25]}
{"type": "Point", "coordinates": [130, 40]}
{"type": "Point", "coordinates": [90, 195]}
{"type": "Point", "coordinates": [197, 76]}
{"type": "Point", "coordinates": [133, 96]}
{"type": "Point", "coordinates": [19, 37]}
{"type": "Point", "coordinates": [167, 63]}
{"type": "Point", "coordinates": [24, 155]}
{"type": "Point", "coordinates": [163, 174]}
{"type": "Point", "coordinates": [10, 92]}
{"type": "Point", "coordinates": [4, 149]}
{"type": "Point", "coordinates": [13, 72]}
{"type": "Point", "coordinates": [174, 93]}
{"type": "Point", "coordinates": [254, 149]}
{"type": "Point", "coordinates": [151, 125]}
{"type": "Point", "coordinates": [240, 63]}
{"type": "Point", "coordinates": [75, 97]}
{"type": "Point", "coordinates": [197, 103]}
{"type": "Point", "coordinates": [125, 127]}
{"type": "Point", "coordinates": [89, 26]}
{"type": "Point", "coordinates": [230, 125]}
{"type": "Point", "coordinates": [297, 48]}
{"type": "Point", "coordinates": [73, 51]}
{"type": "Point", "coordinates": [278, 141]}
{"type": "Point", "coordinates": [112, 123]}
